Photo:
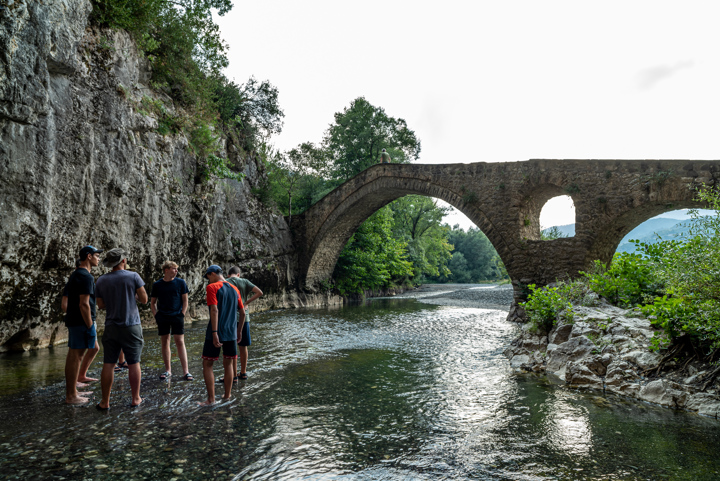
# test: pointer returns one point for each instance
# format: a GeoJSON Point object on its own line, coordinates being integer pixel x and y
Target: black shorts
{"type": "Point", "coordinates": [212, 353]}
{"type": "Point", "coordinates": [167, 324]}
{"type": "Point", "coordinates": [128, 339]}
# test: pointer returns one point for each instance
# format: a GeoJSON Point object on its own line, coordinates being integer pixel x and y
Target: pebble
{"type": "Point", "coordinates": [63, 460]}
{"type": "Point", "coordinates": [101, 466]}
{"type": "Point", "coordinates": [177, 471]}
{"type": "Point", "coordinates": [180, 461]}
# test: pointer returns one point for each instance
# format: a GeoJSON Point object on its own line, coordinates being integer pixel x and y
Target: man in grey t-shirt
{"type": "Point", "coordinates": [116, 292]}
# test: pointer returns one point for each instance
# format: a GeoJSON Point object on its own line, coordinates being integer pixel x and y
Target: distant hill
{"type": "Point", "coordinates": [646, 232]}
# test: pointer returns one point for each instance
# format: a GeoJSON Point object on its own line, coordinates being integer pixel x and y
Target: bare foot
{"type": "Point", "coordinates": [87, 379]}
{"type": "Point", "coordinates": [136, 402]}
{"type": "Point", "coordinates": [79, 384]}
{"type": "Point", "coordinates": [84, 393]}
{"type": "Point", "coordinates": [206, 403]}
{"type": "Point", "coordinates": [76, 400]}
{"type": "Point", "coordinates": [226, 397]}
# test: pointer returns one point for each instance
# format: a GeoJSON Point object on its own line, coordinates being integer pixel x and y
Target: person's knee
{"type": "Point", "coordinates": [179, 339]}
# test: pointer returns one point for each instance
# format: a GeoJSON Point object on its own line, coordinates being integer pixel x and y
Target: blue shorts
{"type": "Point", "coordinates": [245, 339]}
{"type": "Point", "coordinates": [80, 337]}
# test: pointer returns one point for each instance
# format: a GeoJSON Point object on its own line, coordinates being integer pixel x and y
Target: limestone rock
{"type": "Point", "coordinates": [659, 393]}
{"type": "Point", "coordinates": [572, 350]}
{"type": "Point", "coordinates": [560, 334]}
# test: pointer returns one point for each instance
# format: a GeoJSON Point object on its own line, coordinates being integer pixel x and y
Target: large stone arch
{"type": "Point", "coordinates": [354, 209]}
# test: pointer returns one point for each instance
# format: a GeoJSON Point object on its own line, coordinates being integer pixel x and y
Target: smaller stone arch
{"type": "Point", "coordinates": [532, 204]}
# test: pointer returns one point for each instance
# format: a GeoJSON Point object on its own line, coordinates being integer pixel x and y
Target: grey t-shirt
{"type": "Point", "coordinates": [117, 290]}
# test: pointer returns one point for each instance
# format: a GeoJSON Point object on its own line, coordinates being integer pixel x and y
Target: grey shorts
{"type": "Point", "coordinates": [127, 339]}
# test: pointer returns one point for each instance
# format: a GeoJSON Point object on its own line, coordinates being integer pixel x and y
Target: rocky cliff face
{"type": "Point", "coordinates": [81, 162]}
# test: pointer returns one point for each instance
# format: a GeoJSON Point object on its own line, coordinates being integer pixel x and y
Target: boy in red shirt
{"type": "Point", "coordinates": [225, 303]}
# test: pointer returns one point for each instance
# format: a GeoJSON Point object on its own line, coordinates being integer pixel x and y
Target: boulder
{"type": "Point", "coordinates": [643, 359]}
{"type": "Point", "coordinates": [579, 375]}
{"type": "Point", "coordinates": [658, 392]}
{"type": "Point", "coordinates": [560, 334]}
{"type": "Point", "coordinates": [572, 350]}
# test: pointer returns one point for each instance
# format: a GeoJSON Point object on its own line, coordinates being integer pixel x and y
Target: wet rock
{"type": "Point", "coordinates": [705, 404]}
{"type": "Point", "coordinates": [572, 350]}
{"type": "Point", "coordinates": [560, 334]}
{"type": "Point", "coordinates": [658, 392]}
{"type": "Point", "coordinates": [578, 374]}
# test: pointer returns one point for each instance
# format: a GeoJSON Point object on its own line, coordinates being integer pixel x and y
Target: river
{"type": "Point", "coordinates": [394, 389]}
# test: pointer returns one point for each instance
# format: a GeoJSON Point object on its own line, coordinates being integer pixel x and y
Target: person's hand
{"type": "Point", "coordinates": [216, 340]}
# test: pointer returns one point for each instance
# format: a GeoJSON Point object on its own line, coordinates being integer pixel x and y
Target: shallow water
{"type": "Point", "coordinates": [394, 389]}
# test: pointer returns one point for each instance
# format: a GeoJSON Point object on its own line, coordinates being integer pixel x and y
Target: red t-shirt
{"type": "Point", "coordinates": [227, 298]}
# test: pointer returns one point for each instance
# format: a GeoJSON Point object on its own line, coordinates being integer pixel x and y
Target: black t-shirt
{"type": "Point", "coordinates": [169, 296]}
{"type": "Point", "coordinates": [81, 282]}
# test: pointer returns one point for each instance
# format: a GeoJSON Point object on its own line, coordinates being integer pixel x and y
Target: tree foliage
{"type": "Point", "coordinates": [360, 132]}
{"type": "Point", "coordinates": [373, 258]}
{"type": "Point", "coordinates": [187, 55]}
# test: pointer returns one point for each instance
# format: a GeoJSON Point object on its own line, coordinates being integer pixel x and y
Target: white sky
{"type": "Point", "coordinates": [494, 80]}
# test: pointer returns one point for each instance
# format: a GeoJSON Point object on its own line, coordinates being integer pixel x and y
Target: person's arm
{"type": "Point", "coordinates": [85, 311]}
{"type": "Point", "coordinates": [256, 293]}
{"type": "Point", "coordinates": [63, 304]}
{"type": "Point", "coordinates": [185, 304]}
{"type": "Point", "coordinates": [214, 325]}
{"type": "Point", "coordinates": [153, 305]}
{"type": "Point", "coordinates": [141, 295]}
{"type": "Point", "coordinates": [100, 303]}
{"type": "Point", "coordinates": [241, 323]}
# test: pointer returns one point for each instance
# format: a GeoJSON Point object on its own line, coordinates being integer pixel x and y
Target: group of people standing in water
{"type": "Point", "coordinates": [119, 292]}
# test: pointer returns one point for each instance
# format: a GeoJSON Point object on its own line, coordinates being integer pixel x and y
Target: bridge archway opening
{"type": "Point", "coordinates": [557, 218]}
{"type": "Point", "coordinates": [669, 225]}
{"type": "Point", "coordinates": [343, 218]}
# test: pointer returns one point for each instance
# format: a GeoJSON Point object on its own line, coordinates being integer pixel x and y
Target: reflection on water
{"type": "Point", "coordinates": [394, 389]}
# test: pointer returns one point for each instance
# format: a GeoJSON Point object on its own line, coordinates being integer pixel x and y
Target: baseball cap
{"type": "Point", "coordinates": [213, 269]}
{"type": "Point", "coordinates": [88, 250]}
{"type": "Point", "coordinates": [114, 257]}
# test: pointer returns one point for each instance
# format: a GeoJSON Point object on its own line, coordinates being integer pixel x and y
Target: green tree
{"type": "Point", "coordinates": [418, 220]}
{"type": "Point", "coordinates": [483, 262]}
{"type": "Point", "coordinates": [373, 258]}
{"type": "Point", "coordinates": [358, 135]}
{"type": "Point", "coordinates": [289, 172]}
{"type": "Point", "coordinates": [552, 233]}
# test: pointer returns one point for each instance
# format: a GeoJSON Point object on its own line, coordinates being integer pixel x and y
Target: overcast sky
{"type": "Point", "coordinates": [494, 80]}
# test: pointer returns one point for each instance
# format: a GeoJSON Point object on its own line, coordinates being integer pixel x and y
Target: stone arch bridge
{"type": "Point", "coordinates": [504, 200]}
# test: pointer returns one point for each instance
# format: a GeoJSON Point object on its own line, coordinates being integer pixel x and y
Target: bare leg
{"type": "Point", "coordinates": [243, 353]}
{"type": "Point", "coordinates": [165, 342]}
{"type": "Point", "coordinates": [135, 376]}
{"type": "Point", "coordinates": [121, 359]}
{"type": "Point", "coordinates": [88, 358]}
{"type": "Point", "coordinates": [209, 382]}
{"type": "Point", "coordinates": [228, 381]}
{"type": "Point", "coordinates": [234, 370]}
{"type": "Point", "coordinates": [72, 366]}
{"type": "Point", "coordinates": [182, 353]}
{"type": "Point", "coordinates": [106, 381]}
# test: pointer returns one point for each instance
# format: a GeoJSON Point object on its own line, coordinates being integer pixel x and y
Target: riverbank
{"type": "Point", "coordinates": [606, 348]}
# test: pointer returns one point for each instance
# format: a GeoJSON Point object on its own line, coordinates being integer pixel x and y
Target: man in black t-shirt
{"type": "Point", "coordinates": [90, 354]}
{"type": "Point", "coordinates": [169, 303]}
{"type": "Point", "coordinates": [80, 320]}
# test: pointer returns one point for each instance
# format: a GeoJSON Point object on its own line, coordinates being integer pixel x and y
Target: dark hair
{"type": "Point", "coordinates": [234, 270]}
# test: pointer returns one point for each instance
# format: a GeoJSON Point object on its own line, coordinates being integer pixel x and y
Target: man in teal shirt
{"type": "Point", "coordinates": [246, 289]}
{"type": "Point", "coordinates": [384, 157]}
